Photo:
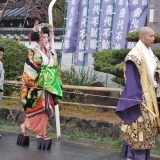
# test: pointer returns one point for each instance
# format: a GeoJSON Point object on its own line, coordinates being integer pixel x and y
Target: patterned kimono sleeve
{"type": "Point", "coordinates": [31, 69]}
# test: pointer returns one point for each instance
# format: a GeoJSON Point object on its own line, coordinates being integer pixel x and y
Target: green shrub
{"type": "Point", "coordinates": [13, 62]}
{"type": "Point", "coordinates": [79, 78]}
{"type": "Point", "coordinates": [133, 37]}
{"type": "Point", "coordinates": [14, 58]}
{"type": "Point", "coordinates": [111, 61]}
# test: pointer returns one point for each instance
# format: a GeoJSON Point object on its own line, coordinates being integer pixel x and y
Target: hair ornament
{"type": "Point", "coordinates": [38, 28]}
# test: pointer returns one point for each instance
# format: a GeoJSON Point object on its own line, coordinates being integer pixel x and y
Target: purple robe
{"type": "Point", "coordinates": [129, 153]}
{"type": "Point", "coordinates": [129, 110]}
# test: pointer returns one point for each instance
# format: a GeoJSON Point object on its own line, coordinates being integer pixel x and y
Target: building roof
{"type": "Point", "coordinates": [13, 24]}
{"type": "Point", "coordinates": [16, 33]}
{"type": "Point", "coordinates": [16, 10]}
{"type": "Point", "coordinates": [17, 13]}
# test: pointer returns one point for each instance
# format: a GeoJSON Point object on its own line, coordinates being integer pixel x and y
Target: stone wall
{"type": "Point", "coordinates": [69, 125]}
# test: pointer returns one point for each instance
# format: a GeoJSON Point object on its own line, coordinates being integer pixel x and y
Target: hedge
{"type": "Point", "coordinates": [13, 61]}
{"type": "Point", "coordinates": [111, 61]}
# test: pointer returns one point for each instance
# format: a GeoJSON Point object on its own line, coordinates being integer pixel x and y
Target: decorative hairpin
{"type": "Point", "coordinates": [38, 28]}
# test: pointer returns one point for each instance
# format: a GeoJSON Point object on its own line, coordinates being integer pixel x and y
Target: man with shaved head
{"type": "Point", "coordinates": [138, 106]}
{"type": "Point", "coordinates": [146, 36]}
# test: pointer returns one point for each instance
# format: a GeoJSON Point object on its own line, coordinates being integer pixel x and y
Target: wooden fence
{"type": "Point", "coordinates": [71, 87]}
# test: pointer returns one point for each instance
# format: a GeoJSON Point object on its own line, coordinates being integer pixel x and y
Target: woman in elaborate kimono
{"type": "Point", "coordinates": [41, 88]}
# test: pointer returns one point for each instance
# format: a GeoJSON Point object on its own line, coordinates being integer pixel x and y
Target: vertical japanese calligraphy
{"type": "Point", "coordinates": [71, 27]}
{"type": "Point", "coordinates": [81, 56]}
{"type": "Point", "coordinates": [120, 24]}
{"type": "Point", "coordinates": [95, 25]}
{"type": "Point", "coordinates": [105, 25]}
{"type": "Point", "coordinates": [138, 11]}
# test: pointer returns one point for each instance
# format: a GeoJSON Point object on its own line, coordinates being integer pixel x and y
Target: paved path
{"type": "Point", "coordinates": [60, 150]}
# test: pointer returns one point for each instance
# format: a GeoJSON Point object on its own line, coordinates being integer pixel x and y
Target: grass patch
{"type": "Point", "coordinates": [5, 123]}
{"type": "Point", "coordinates": [11, 104]}
{"type": "Point", "coordinates": [96, 137]}
{"type": "Point", "coordinates": [90, 113]}
{"type": "Point", "coordinates": [2, 122]}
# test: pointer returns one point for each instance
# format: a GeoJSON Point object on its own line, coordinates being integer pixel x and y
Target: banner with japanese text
{"type": "Point", "coordinates": [138, 12]}
{"type": "Point", "coordinates": [71, 27]}
{"type": "Point", "coordinates": [81, 56]}
{"type": "Point", "coordinates": [120, 24]}
{"type": "Point", "coordinates": [104, 41]}
{"type": "Point", "coordinates": [93, 25]}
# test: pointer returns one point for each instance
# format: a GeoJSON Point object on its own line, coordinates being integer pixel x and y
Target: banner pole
{"type": "Point", "coordinates": [64, 25]}
{"type": "Point", "coordinates": [97, 48]}
{"type": "Point", "coordinates": [86, 28]}
{"type": "Point", "coordinates": [110, 38]}
{"type": "Point", "coordinates": [50, 16]}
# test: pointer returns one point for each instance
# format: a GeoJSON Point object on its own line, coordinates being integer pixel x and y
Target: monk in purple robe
{"type": "Point", "coordinates": [138, 106]}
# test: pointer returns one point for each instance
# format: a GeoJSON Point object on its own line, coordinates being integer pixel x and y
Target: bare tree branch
{"type": "Point", "coordinates": [40, 10]}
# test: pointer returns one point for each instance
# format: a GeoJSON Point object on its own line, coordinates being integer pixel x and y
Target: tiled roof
{"type": "Point", "coordinates": [15, 33]}
{"type": "Point", "coordinates": [16, 10]}
{"type": "Point", "coordinates": [17, 13]}
{"type": "Point", "coordinates": [13, 19]}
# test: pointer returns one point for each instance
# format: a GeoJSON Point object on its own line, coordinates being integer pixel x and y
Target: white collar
{"type": "Point", "coordinates": [150, 61]}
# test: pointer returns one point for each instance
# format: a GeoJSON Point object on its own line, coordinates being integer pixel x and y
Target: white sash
{"type": "Point", "coordinates": [150, 61]}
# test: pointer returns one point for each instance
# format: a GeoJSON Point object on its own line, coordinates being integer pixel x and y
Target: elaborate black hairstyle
{"type": "Point", "coordinates": [35, 36]}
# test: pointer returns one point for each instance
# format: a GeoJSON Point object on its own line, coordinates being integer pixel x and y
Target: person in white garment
{"type": "Point", "coordinates": [1, 74]}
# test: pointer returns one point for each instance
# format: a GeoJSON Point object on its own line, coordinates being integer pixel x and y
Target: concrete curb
{"type": "Point", "coordinates": [83, 141]}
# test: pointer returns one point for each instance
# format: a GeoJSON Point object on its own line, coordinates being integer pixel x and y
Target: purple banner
{"type": "Point", "coordinates": [81, 59]}
{"type": "Point", "coordinates": [93, 24]}
{"type": "Point", "coordinates": [138, 12]}
{"type": "Point", "coordinates": [80, 56]}
{"type": "Point", "coordinates": [120, 24]}
{"type": "Point", "coordinates": [71, 27]}
{"type": "Point", "coordinates": [105, 25]}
